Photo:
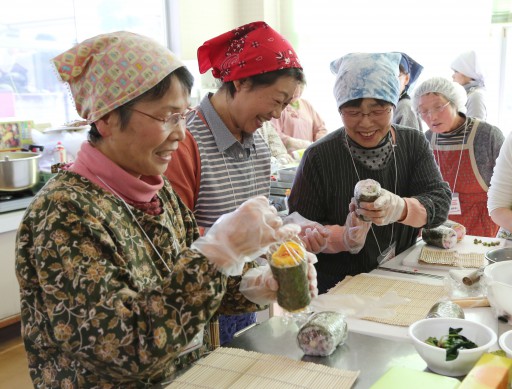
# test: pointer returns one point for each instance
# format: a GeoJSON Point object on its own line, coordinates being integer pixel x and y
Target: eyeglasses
{"type": "Point", "coordinates": [376, 113]}
{"type": "Point", "coordinates": [171, 121]}
{"type": "Point", "coordinates": [428, 112]}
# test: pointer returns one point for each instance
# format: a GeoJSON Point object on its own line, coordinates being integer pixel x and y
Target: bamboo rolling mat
{"type": "Point", "coordinates": [421, 296]}
{"type": "Point", "coordinates": [452, 258]}
{"type": "Point", "coordinates": [235, 368]}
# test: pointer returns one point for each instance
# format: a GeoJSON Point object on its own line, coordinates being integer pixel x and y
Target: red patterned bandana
{"type": "Point", "coordinates": [246, 51]}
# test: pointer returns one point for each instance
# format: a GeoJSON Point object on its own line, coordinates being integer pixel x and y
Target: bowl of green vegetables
{"type": "Point", "coordinates": [451, 346]}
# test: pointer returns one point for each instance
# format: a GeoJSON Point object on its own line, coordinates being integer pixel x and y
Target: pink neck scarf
{"type": "Point", "coordinates": [95, 166]}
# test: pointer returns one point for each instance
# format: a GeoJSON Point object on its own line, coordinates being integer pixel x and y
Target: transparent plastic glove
{"type": "Point", "coordinates": [388, 208]}
{"type": "Point", "coordinates": [314, 235]}
{"type": "Point", "coordinates": [243, 235]}
{"type": "Point", "coordinates": [259, 285]}
{"type": "Point", "coordinates": [355, 232]}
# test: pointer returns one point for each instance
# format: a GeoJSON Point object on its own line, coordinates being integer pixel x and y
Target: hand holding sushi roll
{"type": "Point", "coordinates": [386, 209]}
{"type": "Point", "coordinates": [243, 235]}
{"type": "Point", "coordinates": [259, 285]}
{"type": "Point", "coordinates": [289, 266]}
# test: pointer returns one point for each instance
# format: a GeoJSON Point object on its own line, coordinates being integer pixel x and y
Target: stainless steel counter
{"type": "Point", "coordinates": [372, 356]}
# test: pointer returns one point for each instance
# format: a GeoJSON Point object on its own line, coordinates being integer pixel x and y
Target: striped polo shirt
{"type": "Point", "coordinates": [231, 172]}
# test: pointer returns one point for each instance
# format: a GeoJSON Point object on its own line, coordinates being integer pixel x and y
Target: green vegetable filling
{"type": "Point", "coordinates": [453, 342]}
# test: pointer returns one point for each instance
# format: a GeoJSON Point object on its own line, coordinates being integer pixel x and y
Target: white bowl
{"type": "Point", "coordinates": [498, 280]}
{"type": "Point", "coordinates": [435, 357]}
{"type": "Point", "coordinates": [506, 343]}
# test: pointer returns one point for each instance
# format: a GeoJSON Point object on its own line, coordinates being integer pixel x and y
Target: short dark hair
{"type": "Point", "coordinates": [265, 79]}
{"type": "Point", "coordinates": [182, 74]}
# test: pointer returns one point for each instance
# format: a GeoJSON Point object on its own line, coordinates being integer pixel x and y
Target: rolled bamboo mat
{"type": "Point", "coordinates": [239, 369]}
{"type": "Point", "coordinates": [435, 256]}
{"type": "Point", "coordinates": [420, 296]}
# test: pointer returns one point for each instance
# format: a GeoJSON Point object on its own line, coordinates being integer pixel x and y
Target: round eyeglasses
{"type": "Point", "coordinates": [424, 113]}
{"type": "Point", "coordinates": [172, 120]}
{"type": "Point", "coordinates": [374, 114]}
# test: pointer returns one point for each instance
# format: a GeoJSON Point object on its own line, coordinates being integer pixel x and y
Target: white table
{"type": "Point", "coordinates": [483, 314]}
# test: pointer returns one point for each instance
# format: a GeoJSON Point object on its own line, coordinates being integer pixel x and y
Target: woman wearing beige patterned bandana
{"type": "Point", "coordinates": [116, 285]}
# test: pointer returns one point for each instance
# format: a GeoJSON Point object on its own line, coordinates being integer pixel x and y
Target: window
{"type": "Point", "coordinates": [32, 32]}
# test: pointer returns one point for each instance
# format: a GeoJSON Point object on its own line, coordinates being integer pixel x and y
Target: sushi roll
{"type": "Point", "coordinates": [290, 268]}
{"type": "Point", "coordinates": [367, 191]}
{"type": "Point", "coordinates": [322, 333]}
{"type": "Point", "coordinates": [457, 227]}
{"type": "Point", "coordinates": [442, 236]}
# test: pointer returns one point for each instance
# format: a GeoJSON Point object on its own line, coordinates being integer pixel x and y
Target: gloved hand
{"type": "Point", "coordinates": [315, 239]}
{"type": "Point", "coordinates": [259, 285]}
{"type": "Point", "coordinates": [356, 230]}
{"type": "Point", "coordinates": [313, 235]}
{"type": "Point", "coordinates": [388, 208]}
{"type": "Point", "coordinates": [243, 235]}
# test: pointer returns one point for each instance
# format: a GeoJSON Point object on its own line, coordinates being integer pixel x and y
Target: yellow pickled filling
{"type": "Point", "coordinates": [289, 254]}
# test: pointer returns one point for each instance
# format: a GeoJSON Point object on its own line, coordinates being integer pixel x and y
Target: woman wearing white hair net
{"type": "Point", "coordinates": [465, 149]}
{"type": "Point", "coordinates": [368, 146]}
{"type": "Point", "coordinates": [467, 71]}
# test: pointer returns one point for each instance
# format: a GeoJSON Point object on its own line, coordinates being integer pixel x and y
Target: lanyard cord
{"type": "Point", "coordinates": [175, 243]}
{"type": "Point", "coordinates": [255, 187]}
{"type": "Point", "coordinates": [359, 178]}
{"type": "Point", "coordinates": [460, 156]}
{"type": "Point", "coordinates": [235, 199]}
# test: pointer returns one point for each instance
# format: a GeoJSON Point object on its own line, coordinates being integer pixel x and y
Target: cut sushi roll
{"type": "Point", "coordinates": [367, 191]}
{"type": "Point", "coordinates": [457, 227]}
{"type": "Point", "coordinates": [290, 268]}
{"type": "Point", "coordinates": [322, 333]}
{"type": "Point", "coordinates": [442, 236]}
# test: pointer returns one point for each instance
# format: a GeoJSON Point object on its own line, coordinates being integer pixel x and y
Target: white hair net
{"type": "Point", "coordinates": [452, 91]}
{"type": "Point", "coordinates": [468, 64]}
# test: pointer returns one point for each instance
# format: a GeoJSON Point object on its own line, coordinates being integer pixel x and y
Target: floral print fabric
{"type": "Point", "coordinates": [99, 308]}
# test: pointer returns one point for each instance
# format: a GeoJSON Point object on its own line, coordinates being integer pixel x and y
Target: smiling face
{"type": "Point", "coordinates": [439, 115]}
{"type": "Point", "coordinates": [145, 145]}
{"type": "Point", "coordinates": [367, 131]}
{"type": "Point", "coordinates": [251, 106]}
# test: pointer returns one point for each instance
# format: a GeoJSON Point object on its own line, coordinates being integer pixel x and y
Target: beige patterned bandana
{"type": "Point", "coordinates": [107, 71]}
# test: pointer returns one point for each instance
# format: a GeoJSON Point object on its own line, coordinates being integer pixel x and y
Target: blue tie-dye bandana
{"type": "Point", "coordinates": [366, 75]}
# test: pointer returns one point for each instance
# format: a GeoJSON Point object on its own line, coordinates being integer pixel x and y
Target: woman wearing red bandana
{"type": "Point", "coordinates": [224, 160]}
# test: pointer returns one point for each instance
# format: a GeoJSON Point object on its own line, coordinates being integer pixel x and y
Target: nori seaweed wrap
{"type": "Point", "coordinates": [322, 333]}
{"type": "Point", "coordinates": [290, 268]}
{"type": "Point", "coordinates": [367, 191]}
{"type": "Point", "coordinates": [442, 236]}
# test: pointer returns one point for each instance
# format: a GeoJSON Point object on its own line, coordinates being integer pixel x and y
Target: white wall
{"type": "Point", "coordinates": [432, 32]}
{"type": "Point", "coordinates": [201, 20]}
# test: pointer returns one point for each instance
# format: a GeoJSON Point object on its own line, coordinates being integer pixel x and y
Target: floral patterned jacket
{"type": "Point", "coordinates": [98, 307]}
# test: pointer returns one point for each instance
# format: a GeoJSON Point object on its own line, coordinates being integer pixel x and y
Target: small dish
{"type": "Point", "coordinates": [505, 343]}
{"type": "Point", "coordinates": [435, 357]}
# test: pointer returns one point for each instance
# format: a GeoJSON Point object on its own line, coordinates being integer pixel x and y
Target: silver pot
{"type": "Point", "coordinates": [499, 255]}
{"type": "Point", "coordinates": [18, 171]}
